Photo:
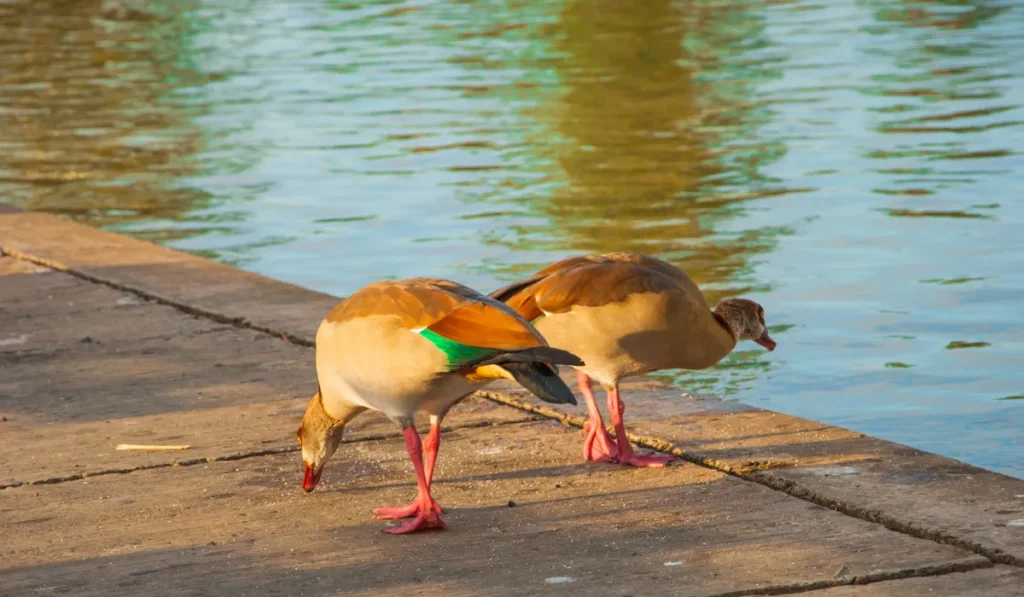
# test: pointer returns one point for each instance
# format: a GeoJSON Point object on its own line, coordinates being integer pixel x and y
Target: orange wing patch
{"type": "Point", "coordinates": [487, 325]}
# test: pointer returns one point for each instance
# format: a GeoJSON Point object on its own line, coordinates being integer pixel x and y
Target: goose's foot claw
{"type": "Point", "coordinates": [649, 460]}
{"type": "Point", "coordinates": [423, 521]}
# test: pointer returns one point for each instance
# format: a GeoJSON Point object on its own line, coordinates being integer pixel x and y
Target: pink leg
{"type": "Point", "coordinates": [598, 445]}
{"type": "Point", "coordinates": [426, 517]}
{"type": "Point", "coordinates": [430, 445]}
{"type": "Point", "coordinates": [626, 453]}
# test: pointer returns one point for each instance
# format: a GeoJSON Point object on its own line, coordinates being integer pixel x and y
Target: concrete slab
{"type": "Point", "coordinates": [1001, 581]}
{"type": "Point", "coordinates": [245, 528]}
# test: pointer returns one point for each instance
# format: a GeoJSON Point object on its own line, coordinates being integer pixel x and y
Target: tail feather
{"type": "Point", "coordinates": [538, 354]}
{"type": "Point", "coordinates": [519, 296]}
{"type": "Point", "coordinates": [541, 380]}
{"type": "Point", "coordinates": [506, 292]}
{"type": "Point", "coordinates": [536, 370]}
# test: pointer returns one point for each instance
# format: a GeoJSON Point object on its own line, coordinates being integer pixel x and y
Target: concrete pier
{"type": "Point", "coordinates": [107, 340]}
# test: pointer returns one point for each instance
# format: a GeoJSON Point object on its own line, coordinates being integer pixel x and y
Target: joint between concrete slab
{"type": "Point", "coordinates": [967, 565]}
{"type": "Point", "coordinates": [756, 473]}
{"type": "Point", "coordinates": [875, 516]}
{"type": "Point", "coordinates": [239, 456]}
{"type": "Point", "coordinates": [238, 322]}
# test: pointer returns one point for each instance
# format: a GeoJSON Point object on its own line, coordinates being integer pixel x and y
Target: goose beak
{"type": "Point", "coordinates": [310, 479]}
{"type": "Point", "coordinates": [766, 341]}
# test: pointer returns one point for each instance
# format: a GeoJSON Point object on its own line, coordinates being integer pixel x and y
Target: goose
{"type": "Point", "coordinates": [418, 345]}
{"type": "Point", "coordinates": [626, 314]}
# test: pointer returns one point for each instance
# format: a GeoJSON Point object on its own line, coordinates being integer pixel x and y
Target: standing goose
{"type": "Point", "coordinates": [625, 315]}
{"type": "Point", "coordinates": [418, 345]}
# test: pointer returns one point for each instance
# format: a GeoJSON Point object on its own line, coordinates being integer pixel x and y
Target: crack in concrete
{"type": "Point", "coordinates": [242, 455]}
{"type": "Point", "coordinates": [960, 566]}
{"type": "Point", "coordinates": [756, 473]}
{"type": "Point", "coordinates": [753, 473]}
{"type": "Point", "coordinates": [877, 516]}
{"type": "Point", "coordinates": [239, 322]}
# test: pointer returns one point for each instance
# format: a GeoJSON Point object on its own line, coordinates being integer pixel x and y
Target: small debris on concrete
{"type": "Point", "coordinates": [843, 571]}
{"type": "Point", "coordinates": [12, 341]}
{"type": "Point", "coordinates": [1016, 523]}
{"type": "Point", "coordinates": [511, 504]}
{"type": "Point", "coordinates": [86, 340]}
{"type": "Point", "coordinates": [835, 471]}
{"type": "Point", "coordinates": [671, 564]}
{"type": "Point", "coordinates": [559, 580]}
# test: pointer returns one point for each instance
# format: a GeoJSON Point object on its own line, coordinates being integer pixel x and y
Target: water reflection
{"type": "Point", "coordinates": [652, 136]}
{"type": "Point", "coordinates": [952, 14]}
{"type": "Point", "coordinates": [89, 128]}
{"type": "Point", "coordinates": [946, 103]}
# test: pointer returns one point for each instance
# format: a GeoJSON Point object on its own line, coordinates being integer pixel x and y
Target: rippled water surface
{"type": "Point", "coordinates": [855, 166]}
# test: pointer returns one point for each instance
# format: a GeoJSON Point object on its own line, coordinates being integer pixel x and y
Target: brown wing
{"type": "Point", "coordinates": [646, 261]}
{"type": "Point", "coordinates": [418, 302]}
{"type": "Point", "coordinates": [599, 284]}
{"type": "Point", "coordinates": [594, 280]}
{"type": "Point", "coordinates": [446, 308]}
{"type": "Point", "coordinates": [521, 296]}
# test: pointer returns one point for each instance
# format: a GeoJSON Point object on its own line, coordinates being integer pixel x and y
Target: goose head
{"type": "Point", "coordinates": [319, 436]}
{"type": "Point", "coordinates": [745, 319]}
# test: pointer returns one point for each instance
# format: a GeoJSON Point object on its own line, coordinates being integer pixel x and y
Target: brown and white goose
{"type": "Point", "coordinates": [418, 345]}
{"type": "Point", "coordinates": [624, 315]}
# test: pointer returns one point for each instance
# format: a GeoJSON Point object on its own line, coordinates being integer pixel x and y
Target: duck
{"type": "Point", "coordinates": [624, 315]}
{"type": "Point", "coordinates": [412, 346]}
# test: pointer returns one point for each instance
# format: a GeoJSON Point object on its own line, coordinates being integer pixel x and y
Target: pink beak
{"type": "Point", "coordinates": [310, 479]}
{"type": "Point", "coordinates": [766, 341]}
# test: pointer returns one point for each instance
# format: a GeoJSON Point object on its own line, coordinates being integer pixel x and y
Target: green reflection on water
{"type": "Point", "coordinates": [648, 138]}
{"type": "Point", "coordinates": [90, 132]}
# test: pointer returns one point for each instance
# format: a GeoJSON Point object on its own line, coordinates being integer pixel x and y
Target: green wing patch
{"type": "Point", "coordinates": [458, 354]}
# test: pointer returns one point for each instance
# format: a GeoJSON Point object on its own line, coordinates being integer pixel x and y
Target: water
{"type": "Point", "coordinates": [854, 166]}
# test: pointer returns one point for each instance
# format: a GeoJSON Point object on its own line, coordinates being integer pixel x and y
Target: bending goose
{"type": "Point", "coordinates": [418, 345]}
{"type": "Point", "coordinates": [624, 315]}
